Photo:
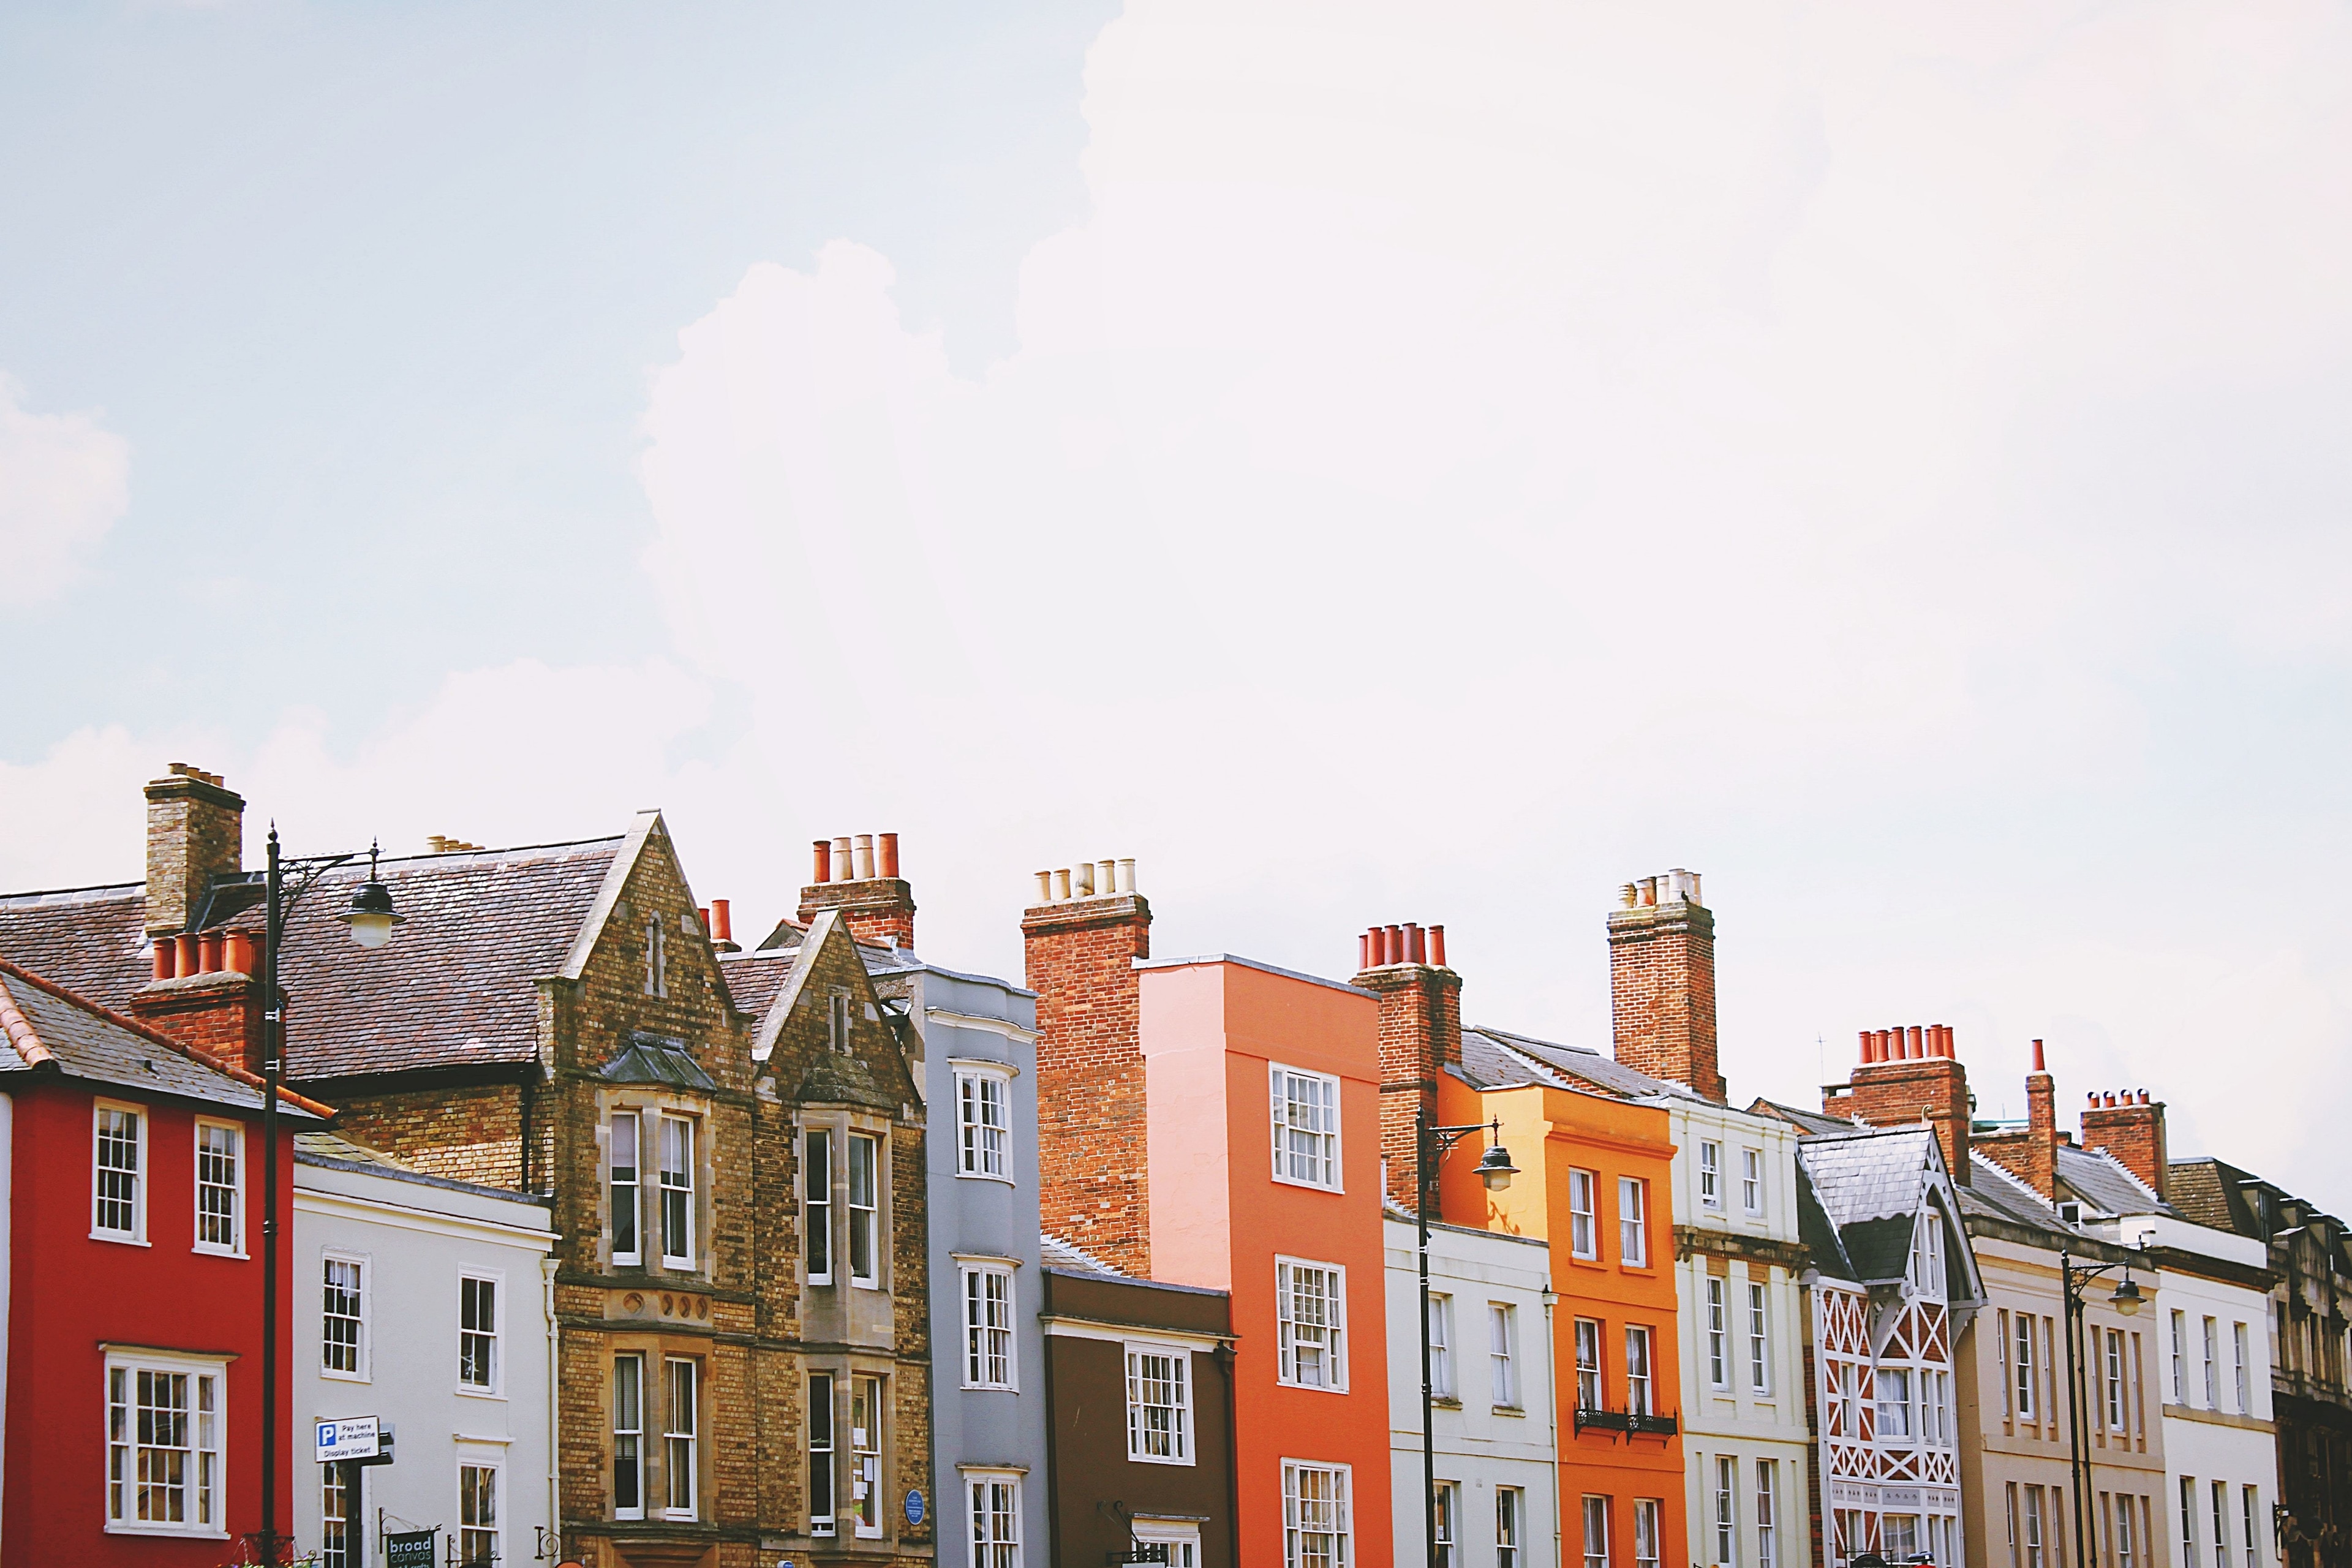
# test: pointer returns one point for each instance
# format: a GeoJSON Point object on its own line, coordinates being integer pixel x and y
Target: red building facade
{"type": "Point", "coordinates": [133, 1393]}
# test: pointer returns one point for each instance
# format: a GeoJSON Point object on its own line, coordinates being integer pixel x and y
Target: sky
{"type": "Point", "coordinates": [1367, 462]}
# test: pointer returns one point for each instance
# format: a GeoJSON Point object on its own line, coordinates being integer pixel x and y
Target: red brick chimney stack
{"type": "Point", "coordinates": [1905, 1076]}
{"type": "Point", "coordinates": [1421, 1034]}
{"type": "Point", "coordinates": [2031, 1153]}
{"type": "Point", "coordinates": [860, 875]}
{"type": "Point", "coordinates": [1082, 936]}
{"type": "Point", "coordinates": [195, 831]}
{"type": "Point", "coordinates": [1662, 982]}
{"type": "Point", "coordinates": [2132, 1131]}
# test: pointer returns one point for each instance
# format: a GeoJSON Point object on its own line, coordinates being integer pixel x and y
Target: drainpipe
{"type": "Point", "coordinates": [1551, 1410]}
{"type": "Point", "coordinates": [1233, 1454]}
{"type": "Point", "coordinates": [555, 1492]}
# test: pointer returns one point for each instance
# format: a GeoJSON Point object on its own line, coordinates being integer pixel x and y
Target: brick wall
{"type": "Point", "coordinates": [1420, 1036]}
{"type": "Point", "coordinates": [217, 1016]}
{"type": "Point", "coordinates": [879, 912]}
{"type": "Point", "coordinates": [1662, 993]}
{"type": "Point", "coordinates": [468, 1133]}
{"type": "Point", "coordinates": [1934, 1089]}
{"type": "Point", "coordinates": [1091, 1133]}
{"type": "Point", "coordinates": [2030, 1154]}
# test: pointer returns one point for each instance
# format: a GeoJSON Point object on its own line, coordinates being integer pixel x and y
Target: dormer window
{"type": "Point", "coordinates": [2072, 1213]}
{"type": "Point", "coordinates": [1927, 1254]}
{"type": "Point", "coordinates": [837, 1019]}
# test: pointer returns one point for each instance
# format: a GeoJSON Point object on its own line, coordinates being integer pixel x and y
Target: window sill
{"type": "Point", "coordinates": [1333, 1188]}
{"type": "Point", "coordinates": [465, 1393]}
{"type": "Point", "coordinates": [990, 1387]}
{"type": "Point", "coordinates": [1157, 1459]}
{"type": "Point", "coordinates": [1307, 1387]}
{"type": "Point", "coordinates": [1446, 1401]}
{"type": "Point", "coordinates": [120, 1239]}
{"type": "Point", "coordinates": [124, 1527]}
{"type": "Point", "coordinates": [983, 1176]}
{"type": "Point", "coordinates": [1519, 1410]}
{"type": "Point", "coordinates": [344, 1376]}
{"type": "Point", "coordinates": [201, 1250]}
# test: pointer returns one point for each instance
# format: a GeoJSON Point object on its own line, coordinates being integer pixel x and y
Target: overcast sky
{"type": "Point", "coordinates": [1368, 463]}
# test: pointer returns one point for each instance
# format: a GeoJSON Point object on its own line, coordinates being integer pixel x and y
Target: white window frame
{"type": "Point", "coordinates": [1448, 1520]}
{"type": "Point", "coordinates": [1711, 1173]}
{"type": "Point", "coordinates": [1633, 1195]}
{"type": "Point", "coordinates": [1503, 1355]}
{"type": "Point", "coordinates": [1768, 1513]}
{"type": "Point", "coordinates": [335, 1488]}
{"type": "Point", "coordinates": [1293, 1503]}
{"type": "Point", "coordinates": [1648, 1533]}
{"type": "Point", "coordinates": [869, 1215]}
{"type": "Point", "coordinates": [1751, 1182]}
{"type": "Point", "coordinates": [1584, 1219]}
{"type": "Point", "coordinates": [982, 1338]}
{"type": "Point", "coordinates": [2027, 1371]}
{"type": "Point", "coordinates": [1890, 1407]}
{"type": "Point", "coordinates": [497, 1280]}
{"type": "Point", "coordinates": [2212, 1363]}
{"type": "Point", "coordinates": [635, 1433]}
{"type": "Point", "coordinates": [1510, 1526]}
{"type": "Point", "coordinates": [365, 1264]}
{"type": "Point", "coordinates": [137, 1234]}
{"type": "Point", "coordinates": [1182, 1538]}
{"type": "Point", "coordinates": [656, 959]}
{"type": "Point", "coordinates": [1321, 1155]}
{"type": "Point", "coordinates": [1587, 1335]}
{"type": "Point", "coordinates": [983, 1148]}
{"type": "Point", "coordinates": [1595, 1511]}
{"type": "Point", "coordinates": [690, 1435]}
{"type": "Point", "coordinates": [2238, 1368]}
{"type": "Point", "coordinates": [495, 1530]}
{"type": "Point", "coordinates": [236, 1130]}
{"type": "Point", "coordinates": [1718, 1332]}
{"type": "Point", "coordinates": [633, 1255]}
{"type": "Point", "coordinates": [1180, 1434]}
{"type": "Point", "coordinates": [981, 1517]}
{"type": "Point", "coordinates": [816, 1205]}
{"type": "Point", "coordinates": [130, 1363]}
{"type": "Point", "coordinates": [823, 1451]}
{"type": "Point", "coordinates": [1286, 1325]}
{"type": "Point", "coordinates": [2180, 1356]}
{"type": "Point", "coordinates": [1759, 1338]}
{"type": "Point", "coordinates": [1726, 1511]}
{"type": "Point", "coordinates": [1646, 1379]}
{"type": "Point", "coordinates": [1441, 1346]}
{"type": "Point", "coordinates": [681, 1193]}
{"type": "Point", "coordinates": [866, 1458]}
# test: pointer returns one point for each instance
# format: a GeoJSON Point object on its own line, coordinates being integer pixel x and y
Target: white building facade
{"type": "Point", "coordinates": [2220, 1447]}
{"type": "Point", "coordinates": [424, 1302]}
{"type": "Point", "coordinates": [1493, 1419]}
{"type": "Point", "coordinates": [1738, 1262]}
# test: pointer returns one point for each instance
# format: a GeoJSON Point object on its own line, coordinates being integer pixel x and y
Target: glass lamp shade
{"type": "Point", "coordinates": [370, 917]}
{"type": "Point", "coordinates": [1495, 1168]}
{"type": "Point", "coordinates": [2126, 1299]}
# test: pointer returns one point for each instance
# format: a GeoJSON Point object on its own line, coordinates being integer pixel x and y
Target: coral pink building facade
{"type": "Point", "coordinates": [1263, 1092]}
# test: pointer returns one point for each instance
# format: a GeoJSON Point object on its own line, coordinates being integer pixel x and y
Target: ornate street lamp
{"type": "Point", "coordinates": [370, 919]}
{"type": "Point", "coordinates": [2126, 1302]}
{"type": "Point", "coordinates": [1431, 1145]}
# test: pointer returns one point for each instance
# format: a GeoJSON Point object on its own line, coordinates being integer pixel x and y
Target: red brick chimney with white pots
{"type": "Point", "coordinates": [2129, 1126]}
{"type": "Point", "coordinates": [1662, 982]}
{"type": "Point", "coordinates": [1910, 1075]}
{"type": "Point", "coordinates": [858, 874]}
{"type": "Point", "coordinates": [1082, 936]}
{"type": "Point", "coordinates": [1421, 1034]}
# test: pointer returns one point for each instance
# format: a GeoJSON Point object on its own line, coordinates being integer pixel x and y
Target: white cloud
{"type": "Point", "coordinates": [64, 481]}
{"type": "Point", "coordinates": [1469, 454]}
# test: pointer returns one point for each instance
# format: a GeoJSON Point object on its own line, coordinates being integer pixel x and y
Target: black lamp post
{"type": "Point", "coordinates": [1431, 1145]}
{"type": "Point", "coordinates": [2127, 1302]}
{"type": "Point", "coordinates": [370, 919]}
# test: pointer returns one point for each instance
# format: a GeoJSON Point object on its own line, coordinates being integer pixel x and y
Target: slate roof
{"type": "Point", "coordinates": [1819, 1237]}
{"type": "Point", "coordinates": [753, 979]}
{"type": "Point", "coordinates": [646, 1059]}
{"type": "Point", "coordinates": [91, 941]}
{"type": "Point", "coordinates": [328, 1150]}
{"type": "Point", "coordinates": [2106, 1183]}
{"type": "Point", "coordinates": [2206, 1192]}
{"type": "Point", "coordinates": [45, 1028]}
{"type": "Point", "coordinates": [1994, 1193]}
{"type": "Point", "coordinates": [1497, 1058]}
{"type": "Point", "coordinates": [453, 988]}
{"type": "Point", "coordinates": [1802, 1120]}
{"type": "Point", "coordinates": [1055, 1253]}
{"type": "Point", "coordinates": [1871, 1184]}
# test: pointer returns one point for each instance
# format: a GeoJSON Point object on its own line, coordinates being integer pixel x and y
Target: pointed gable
{"type": "Point", "coordinates": [795, 1045]}
{"type": "Point", "coordinates": [1876, 1188]}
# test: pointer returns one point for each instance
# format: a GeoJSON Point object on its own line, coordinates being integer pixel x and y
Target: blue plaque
{"type": "Point", "coordinates": [914, 1505]}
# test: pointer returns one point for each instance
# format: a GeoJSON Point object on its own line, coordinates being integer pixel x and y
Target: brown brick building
{"type": "Point", "coordinates": [554, 1018]}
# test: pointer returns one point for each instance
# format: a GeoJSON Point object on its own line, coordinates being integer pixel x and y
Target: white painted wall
{"type": "Point", "coordinates": [2213, 1437]}
{"type": "Point", "coordinates": [1479, 1446]}
{"type": "Point", "coordinates": [417, 1235]}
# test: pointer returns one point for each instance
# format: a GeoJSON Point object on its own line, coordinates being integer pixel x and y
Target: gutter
{"type": "Point", "coordinates": [554, 1493]}
{"type": "Point", "coordinates": [1551, 1385]}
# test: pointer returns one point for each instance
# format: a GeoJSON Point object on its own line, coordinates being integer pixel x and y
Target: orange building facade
{"type": "Point", "coordinates": [1594, 1183]}
{"type": "Point", "coordinates": [1264, 1091]}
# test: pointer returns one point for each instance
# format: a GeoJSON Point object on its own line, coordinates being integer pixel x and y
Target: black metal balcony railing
{"type": "Point", "coordinates": [1634, 1423]}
